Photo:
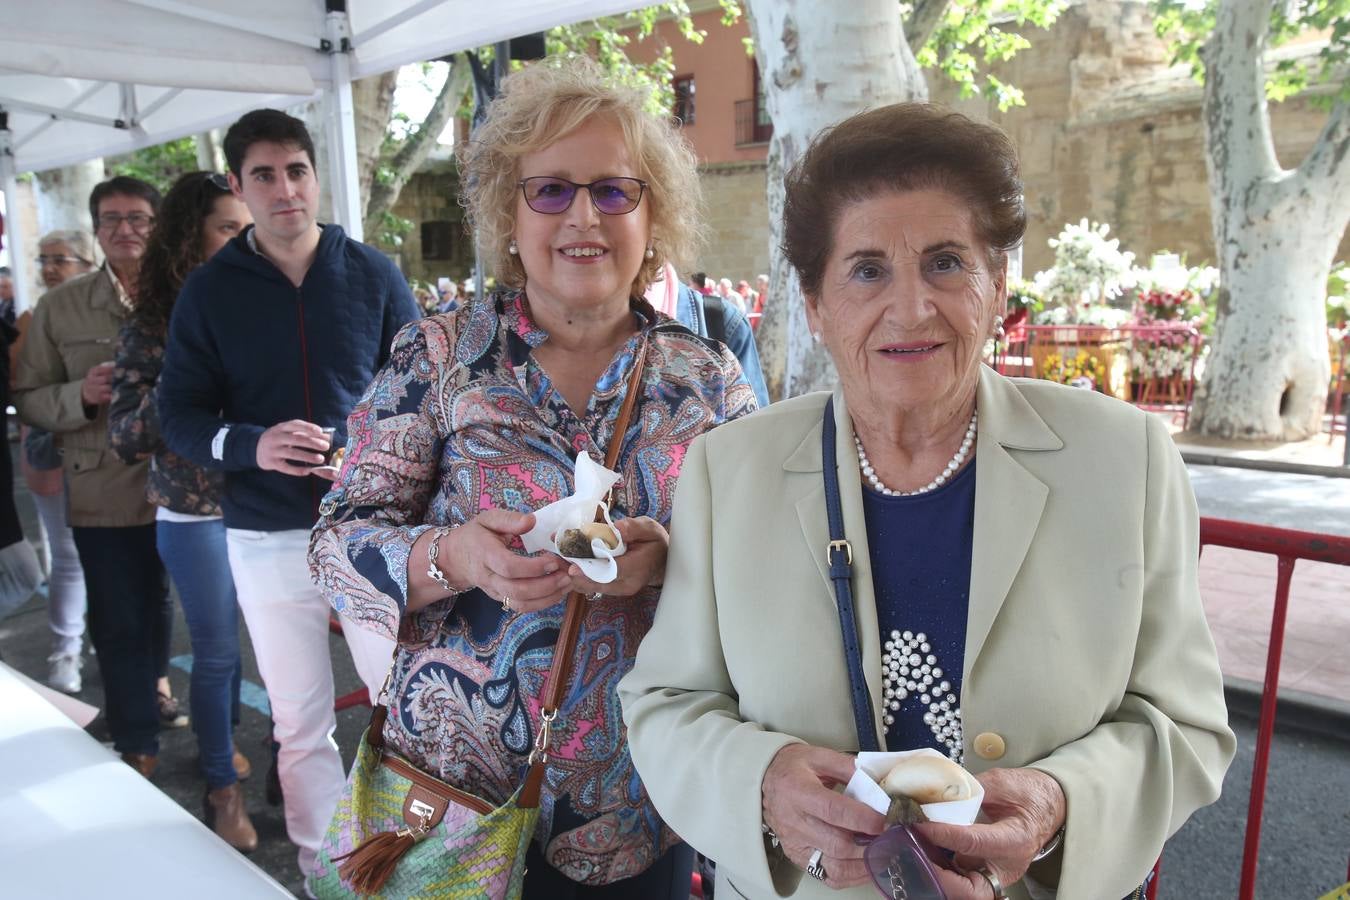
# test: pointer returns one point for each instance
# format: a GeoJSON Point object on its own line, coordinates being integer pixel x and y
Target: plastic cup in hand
{"type": "Point", "coordinates": [900, 866]}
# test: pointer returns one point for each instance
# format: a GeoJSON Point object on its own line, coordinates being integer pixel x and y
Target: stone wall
{"type": "Point", "coordinates": [736, 210]}
{"type": "Point", "coordinates": [430, 196]}
{"type": "Point", "coordinates": [1110, 132]}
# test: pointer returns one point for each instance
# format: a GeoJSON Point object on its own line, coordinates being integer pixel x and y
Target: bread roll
{"type": "Point", "coordinates": [928, 779]}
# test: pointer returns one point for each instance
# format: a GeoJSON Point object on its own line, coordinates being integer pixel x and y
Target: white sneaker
{"type": "Point", "coordinates": [64, 672]}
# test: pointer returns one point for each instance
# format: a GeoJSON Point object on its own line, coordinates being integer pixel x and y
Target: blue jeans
{"type": "Point", "coordinates": [195, 555]}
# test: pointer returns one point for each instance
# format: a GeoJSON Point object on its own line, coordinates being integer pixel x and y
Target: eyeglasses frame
{"type": "Point", "coordinates": [576, 188]}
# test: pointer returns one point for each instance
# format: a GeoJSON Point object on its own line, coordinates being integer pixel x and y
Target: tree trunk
{"type": "Point", "coordinates": [383, 194]}
{"type": "Point", "coordinates": [63, 197]}
{"type": "Point", "coordinates": [819, 63]}
{"type": "Point", "coordinates": [1276, 234]}
{"type": "Point", "coordinates": [373, 102]}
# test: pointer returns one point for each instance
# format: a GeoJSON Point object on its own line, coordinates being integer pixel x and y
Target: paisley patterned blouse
{"type": "Point", "coordinates": [463, 419]}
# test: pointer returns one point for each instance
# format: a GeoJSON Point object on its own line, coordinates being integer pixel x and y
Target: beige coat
{"type": "Point", "coordinates": [74, 328]}
{"type": "Point", "coordinates": [1087, 651]}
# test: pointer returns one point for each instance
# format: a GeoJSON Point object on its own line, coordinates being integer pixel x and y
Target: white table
{"type": "Point", "coordinates": [77, 822]}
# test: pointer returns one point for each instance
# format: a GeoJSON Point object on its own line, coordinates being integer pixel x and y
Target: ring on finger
{"type": "Point", "coordinates": [994, 884]}
{"type": "Point", "coordinates": [506, 603]}
{"type": "Point", "coordinates": [814, 867]}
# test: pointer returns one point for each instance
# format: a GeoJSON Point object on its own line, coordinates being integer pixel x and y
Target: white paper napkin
{"type": "Point", "coordinates": [871, 768]}
{"type": "Point", "coordinates": [593, 482]}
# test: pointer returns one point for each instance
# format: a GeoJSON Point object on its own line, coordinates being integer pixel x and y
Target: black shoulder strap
{"type": "Point", "coordinates": [840, 555]}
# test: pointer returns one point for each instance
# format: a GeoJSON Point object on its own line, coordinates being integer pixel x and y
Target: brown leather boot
{"type": "Point", "coordinates": [227, 817]}
{"type": "Point", "coordinates": [144, 763]}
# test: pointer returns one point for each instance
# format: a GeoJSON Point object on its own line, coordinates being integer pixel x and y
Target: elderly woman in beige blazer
{"type": "Point", "coordinates": [1023, 568]}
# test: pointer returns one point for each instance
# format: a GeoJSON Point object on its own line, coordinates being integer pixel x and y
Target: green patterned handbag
{"type": "Point", "coordinates": [400, 833]}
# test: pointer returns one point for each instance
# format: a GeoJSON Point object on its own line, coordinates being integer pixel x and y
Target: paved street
{"type": "Point", "coordinates": [1303, 502]}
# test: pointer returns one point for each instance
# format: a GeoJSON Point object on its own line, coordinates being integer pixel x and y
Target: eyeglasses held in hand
{"type": "Point", "coordinates": [137, 221]}
{"type": "Point", "coordinates": [60, 261]}
{"type": "Point", "coordinates": [550, 195]}
{"type": "Point", "coordinates": [899, 863]}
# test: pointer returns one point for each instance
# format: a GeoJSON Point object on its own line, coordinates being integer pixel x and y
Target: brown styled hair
{"type": "Point", "coordinates": [902, 147]}
{"type": "Point", "coordinates": [549, 100]}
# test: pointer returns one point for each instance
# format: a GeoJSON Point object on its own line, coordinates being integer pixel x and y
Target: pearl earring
{"type": "Point", "coordinates": [815, 337]}
{"type": "Point", "coordinates": [650, 252]}
{"type": "Point", "coordinates": [999, 333]}
{"type": "Point", "coordinates": [512, 248]}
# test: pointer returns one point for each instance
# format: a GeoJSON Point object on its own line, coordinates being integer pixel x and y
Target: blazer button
{"type": "Point", "coordinates": [990, 745]}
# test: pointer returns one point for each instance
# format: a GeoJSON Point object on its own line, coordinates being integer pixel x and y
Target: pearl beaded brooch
{"type": "Point", "coordinates": [952, 467]}
{"type": "Point", "coordinates": [910, 668]}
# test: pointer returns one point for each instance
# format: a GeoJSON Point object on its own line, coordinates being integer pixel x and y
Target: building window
{"type": "Point", "coordinates": [752, 115]}
{"type": "Point", "coordinates": [438, 240]}
{"type": "Point", "coordinates": [684, 99]}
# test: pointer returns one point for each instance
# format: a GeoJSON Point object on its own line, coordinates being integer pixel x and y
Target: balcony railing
{"type": "Point", "coordinates": [752, 124]}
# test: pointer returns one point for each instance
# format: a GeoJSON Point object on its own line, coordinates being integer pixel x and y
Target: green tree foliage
{"type": "Point", "coordinates": [971, 36]}
{"type": "Point", "coordinates": [607, 39]}
{"type": "Point", "coordinates": [1187, 24]}
{"type": "Point", "coordinates": [160, 165]}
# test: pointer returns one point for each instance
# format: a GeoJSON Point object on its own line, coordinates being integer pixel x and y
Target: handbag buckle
{"type": "Point", "coordinates": [843, 547]}
{"type": "Point", "coordinates": [544, 738]}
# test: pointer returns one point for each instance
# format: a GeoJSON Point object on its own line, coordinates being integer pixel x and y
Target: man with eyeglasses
{"type": "Point", "coordinates": [273, 340]}
{"type": "Point", "coordinates": [63, 384]}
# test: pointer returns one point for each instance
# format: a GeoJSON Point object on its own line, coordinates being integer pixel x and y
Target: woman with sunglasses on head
{"type": "Point", "coordinates": [198, 217]}
{"type": "Point", "coordinates": [578, 196]}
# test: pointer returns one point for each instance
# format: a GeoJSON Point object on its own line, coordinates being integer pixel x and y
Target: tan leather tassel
{"type": "Point", "coordinates": [369, 866]}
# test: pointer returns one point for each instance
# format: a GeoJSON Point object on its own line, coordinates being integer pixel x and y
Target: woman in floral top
{"type": "Point", "coordinates": [578, 197]}
{"type": "Point", "coordinates": [198, 216]}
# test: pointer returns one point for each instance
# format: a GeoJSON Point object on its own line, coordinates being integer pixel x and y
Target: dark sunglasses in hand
{"type": "Point", "coordinates": [550, 195]}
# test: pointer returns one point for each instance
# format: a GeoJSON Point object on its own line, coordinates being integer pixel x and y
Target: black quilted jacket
{"type": "Point", "coordinates": [248, 348]}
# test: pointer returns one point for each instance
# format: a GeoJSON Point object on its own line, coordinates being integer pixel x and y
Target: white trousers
{"type": "Point", "coordinates": [66, 600]}
{"type": "Point", "coordinates": [287, 619]}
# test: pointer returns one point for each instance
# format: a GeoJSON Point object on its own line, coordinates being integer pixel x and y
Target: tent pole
{"type": "Point", "coordinates": [18, 254]}
{"type": "Point", "coordinates": [340, 122]}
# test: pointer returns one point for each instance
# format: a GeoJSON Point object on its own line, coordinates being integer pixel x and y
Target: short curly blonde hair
{"type": "Point", "coordinates": [547, 101]}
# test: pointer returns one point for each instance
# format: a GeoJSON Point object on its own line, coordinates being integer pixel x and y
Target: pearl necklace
{"type": "Point", "coordinates": [951, 468]}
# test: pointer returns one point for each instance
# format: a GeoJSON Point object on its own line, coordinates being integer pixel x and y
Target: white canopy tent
{"type": "Point", "coordinates": [81, 79]}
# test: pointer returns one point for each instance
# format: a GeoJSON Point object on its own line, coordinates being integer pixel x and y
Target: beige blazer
{"type": "Point", "coordinates": [1087, 653]}
{"type": "Point", "coordinates": [74, 328]}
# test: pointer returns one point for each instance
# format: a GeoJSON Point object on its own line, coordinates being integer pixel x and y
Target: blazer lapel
{"type": "Point", "coordinates": [808, 460]}
{"type": "Point", "coordinates": [1009, 501]}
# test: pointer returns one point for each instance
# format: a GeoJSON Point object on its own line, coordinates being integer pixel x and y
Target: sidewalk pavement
{"type": "Point", "coordinates": [1238, 589]}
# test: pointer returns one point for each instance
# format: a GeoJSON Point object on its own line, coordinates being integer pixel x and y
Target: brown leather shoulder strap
{"type": "Point", "coordinates": [564, 649]}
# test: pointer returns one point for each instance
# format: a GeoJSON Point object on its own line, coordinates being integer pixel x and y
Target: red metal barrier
{"type": "Point", "coordinates": [1287, 546]}
{"type": "Point", "coordinates": [1026, 346]}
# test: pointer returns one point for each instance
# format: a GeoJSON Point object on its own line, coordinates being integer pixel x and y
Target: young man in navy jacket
{"type": "Point", "coordinates": [272, 340]}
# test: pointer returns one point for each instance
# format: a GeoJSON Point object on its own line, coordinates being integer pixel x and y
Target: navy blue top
{"type": "Point", "coordinates": [921, 549]}
{"type": "Point", "coordinates": [248, 348]}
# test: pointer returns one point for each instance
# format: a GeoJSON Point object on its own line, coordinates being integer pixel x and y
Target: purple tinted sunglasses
{"type": "Point", "coordinates": [550, 195]}
{"type": "Point", "coordinates": [900, 864]}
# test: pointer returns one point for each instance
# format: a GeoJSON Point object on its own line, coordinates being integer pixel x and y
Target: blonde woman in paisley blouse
{"type": "Point", "coordinates": [577, 197]}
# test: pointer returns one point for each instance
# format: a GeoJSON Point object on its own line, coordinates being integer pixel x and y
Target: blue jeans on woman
{"type": "Point", "coordinates": [195, 555]}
